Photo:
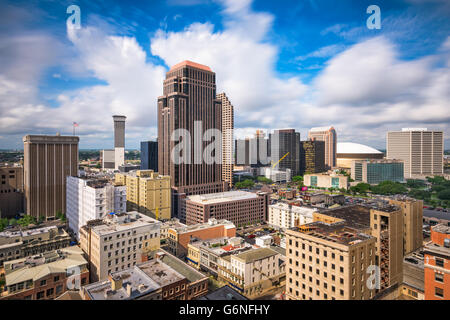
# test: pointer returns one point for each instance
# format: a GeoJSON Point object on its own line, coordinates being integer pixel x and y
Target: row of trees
{"type": "Point", "coordinates": [27, 220]}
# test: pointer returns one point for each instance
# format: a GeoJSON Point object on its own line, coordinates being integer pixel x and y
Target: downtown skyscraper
{"type": "Point", "coordinates": [327, 134]}
{"type": "Point", "coordinates": [227, 138]}
{"type": "Point", "coordinates": [189, 103]}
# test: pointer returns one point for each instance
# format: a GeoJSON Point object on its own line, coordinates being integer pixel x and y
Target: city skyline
{"type": "Point", "coordinates": [277, 77]}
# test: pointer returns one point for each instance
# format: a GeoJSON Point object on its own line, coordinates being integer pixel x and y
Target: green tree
{"type": "Point", "coordinates": [12, 222]}
{"type": "Point", "coordinates": [297, 179]}
{"type": "Point", "coordinates": [444, 194]}
{"type": "Point", "coordinates": [246, 184]}
{"type": "Point", "coordinates": [264, 180]}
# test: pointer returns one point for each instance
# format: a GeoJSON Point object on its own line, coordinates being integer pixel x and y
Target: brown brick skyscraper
{"type": "Point", "coordinates": [189, 95]}
{"type": "Point", "coordinates": [48, 160]}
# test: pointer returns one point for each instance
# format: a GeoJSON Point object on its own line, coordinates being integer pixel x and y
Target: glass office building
{"type": "Point", "coordinates": [376, 171]}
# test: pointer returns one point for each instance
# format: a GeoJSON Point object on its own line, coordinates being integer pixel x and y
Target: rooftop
{"type": "Point", "coordinates": [27, 232]}
{"type": "Point", "coordinates": [255, 254]}
{"type": "Point", "coordinates": [160, 272]}
{"type": "Point", "coordinates": [441, 228]}
{"type": "Point", "coordinates": [224, 293]}
{"type": "Point", "coordinates": [190, 64]}
{"type": "Point", "coordinates": [303, 210]}
{"type": "Point", "coordinates": [200, 226]}
{"type": "Point", "coordinates": [135, 283]}
{"type": "Point", "coordinates": [337, 232]}
{"type": "Point", "coordinates": [214, 198]}
{"type": "Point", "coordinates": [320, 129]}
{"type": "Point", "coordinates": [41, 265]}
{"type": "Point", "coordinates": [120, 222]}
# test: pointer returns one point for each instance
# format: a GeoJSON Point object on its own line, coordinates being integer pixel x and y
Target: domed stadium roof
{"type": "Point", "coordinates": [355, 148]}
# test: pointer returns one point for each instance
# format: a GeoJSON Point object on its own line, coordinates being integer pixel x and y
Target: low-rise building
{"type": "Point", "coordinates": [329, 261]}
{"type": "Point", "coordinates": [377, 170]}
{"type": "Point", "coordinates": [254, 271]}
{"type": "Point", "coordinates": [276, 175]}
{"type": "Point", "coordinates": [437, 264]}
{"type": "Point", "coordinates": [46, 275]}
{"type": "Point", "coordinates": [118, 242]}
{"type": "Point", "coordinates": [413, 285]}
{"type": "Point", "coordinates": [239, 207]}
{"type": "Point", "coordinates": [326, 180]}
{"type": "Point", "coordinates": [180, 236]}
{"type": "Point", "coordinates": [284, 215]}
{"type": "Point", "coordinates": [24, 243]}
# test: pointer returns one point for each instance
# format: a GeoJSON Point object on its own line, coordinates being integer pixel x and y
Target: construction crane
{"type": "Point", "coordinates": [273, 166]}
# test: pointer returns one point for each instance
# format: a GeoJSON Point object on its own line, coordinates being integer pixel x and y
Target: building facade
{"type": "Point", "coordinates": [376, 171]}
{"type": "Point", "coordinates": [118, 241]}
{"type": "Point", "coordinates": [326, 180]}
{"type": "Point", "coordinates": [227, 138]}
{"type": "Point", "coordinates": [329, 262]}
{"type": "Point", "coordinates": [45, 276]}
{"type": "Point", "coordinates": [285, 150]}
{"type": "Point", "coordinates": [239, 207]}
{"type": "Point", "coordinates": [147, 192]}
{"type": "Point", "coordinates": [329, 136]}
{"type": "Point", "coordinates": [284, 215]}
{"type": "Point", "coordinates": [48, 160]}
{"type": "Point", "coordinates": [11, 191]}
{"type": "Point", "coordinates": [312, 154]}
{"type": "Point", "coordinates": [189, 103]}
{"type": "Point", "coordinates": [437, 264]}
{"type": "Point", "coordinates": [149, 155]}
{"type": "Point", "coordinates": [91, 199]}
{"type": "Point", "coordinates": [422, 151]}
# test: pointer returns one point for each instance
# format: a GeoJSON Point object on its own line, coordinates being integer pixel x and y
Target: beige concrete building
{"type": "Point", "coordinates": [24, 243]}
{"type": "Point", "coordinates": [118, 241]}
{"type": "Point", "coordinates": [11, 191]}
{"type": "Point", "coordinates": [329, 262]}
{"type": "Point", "coordinates": [284, 215]}
{"type": "Point", "coordinates": [48, 160]}
{"type": "Point", "coordinates": [413, 222]}
{"type": "Point", "coordinates": [239, 207]}
{"type": "Point", "coordinates": [326, 180]}
{"type": "Point", "coordinates": [422, 151]}
{"type": "Point", "coordinates": [147, 192]}
{"type": "Point", "coordinates": [254, 271]}
{"type": "Point", "coordinates": [327, 134]}
{"type": "Point", "coordinates": [227, 138]}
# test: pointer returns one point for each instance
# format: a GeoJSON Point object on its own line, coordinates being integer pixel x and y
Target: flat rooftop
{"type": "Point", "coordinates": [160, 272]}
{"type": "Point", "coordinates": [140, 283]}
{"type": "Point", "coordinates": [27, 232]}
{"type": "Point", "coordinates": [337, 232]}
{"type": "Point", "coordinates": [191, 274]}
{"type": "Point", "coordinates": [221, 197]}
{"type": "Point", "coordinates": [255, 254]}
{"type": "Point", "coordinates": [197, 227]}
{"type": "Point", "coordinates": [224, 293]}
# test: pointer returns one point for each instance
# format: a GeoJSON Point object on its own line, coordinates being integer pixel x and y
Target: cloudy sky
{"type": "Point", "coordinates": [283, 64]}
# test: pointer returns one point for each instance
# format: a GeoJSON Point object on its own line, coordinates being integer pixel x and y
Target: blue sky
{"type": "Point", "coordinates": [297, 64]}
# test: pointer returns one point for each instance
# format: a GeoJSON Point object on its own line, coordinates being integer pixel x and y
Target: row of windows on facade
{"type": "Point", "coordinates": [325, 274]}
{"type": "Point", "coordinates": [122, 260]}
{"type": "Point", "coordinates": [325, 253]}
{"type": "Point", "coordinates": [325, 295]}
{"type": "Point", "coordinates": [145, 237]}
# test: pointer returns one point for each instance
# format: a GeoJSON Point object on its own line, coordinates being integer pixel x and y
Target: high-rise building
{"type": "Point", "coordinates": [285, 150]}
{"type": "Point", "coordinates": [189, 107]}
{"type": "Point", "coordinates": [327, 134]}
{"type": "Point", "coordinates": [312, 156]}
{"type": "Point", "coordinates": [329, 261]}
{"type": "Point", "coordinates": [11, 191]}
{"type": "Point", "coordinates": [437, 264]}
{"type": "Point", "coordinates": [119, 141]}
{"type": "Point", "coordinates": [149, 155]}
{"type": "Point", "coordinates": [242, 152]}
{"type": "Point", "coordinates": [91, 199]}
{"type": "Point", "coordinates": [422, 151]}
{"type": "Point", "coordinates": [376, 171]}
{"type": "Point", "coordinates": [48, 160]}
{"type": "Point", "coordinates": [413, 222]}
{"type": "Point", "coordinates": [118, 241]}
{"type": "Point", "coordinates": [147, 192]}
{"type": "Point", "coordinates": [227, 138]}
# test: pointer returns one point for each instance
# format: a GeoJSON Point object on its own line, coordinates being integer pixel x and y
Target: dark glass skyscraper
{"type": "Point", "coordinates": [149, 155]}
{"type": "Point", "coordinates": [284, 145]}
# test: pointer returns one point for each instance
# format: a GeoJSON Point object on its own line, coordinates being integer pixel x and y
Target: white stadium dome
{"type": "Point", "coordinates": [355, 148]}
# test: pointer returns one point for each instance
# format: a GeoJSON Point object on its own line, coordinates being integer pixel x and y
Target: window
{"type": "Point", "coordinates": [40, 295]}
{"type": "Point", "coordinates": [439, 262]}
{"type": "Point", "coordinates": [56, 279]}
{"type": "Point", "coordinates": [50, 292]}
{"type": "Point", "coordinates": [439, 292]}
{"type": "Point", "coordinates": [59, 289]}
{"type": "Point", "coordinates": [43, 283]}
{"type": "Point", "coordinates": [439, 277]}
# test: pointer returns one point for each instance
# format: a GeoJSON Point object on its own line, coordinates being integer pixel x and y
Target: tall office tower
{"type": "Point", "coordinates": [259, 150]}
{"type": "Point", "coordinates": [149, 155]}
{"type": "Point", "coordinates": [119, 141]}
{"type": "Point", "coordinates": [312, 156]}
{"type": "Point", "coordinates": [285, 146]}
{"type": "Point", "coordinates": [242, 152]}
{"type": "Point", "coordinates": [413, 222]}
{"type": "Point", "coordinates": [90, 199]}
{"type": "Point", "coordinates": [329, 261]}
{"type": "Point", "coordinates": [48, 160]}
{"type": "Point", "coordinates": [11, 191]}
{"type": "Point", "coordinates": [422, 151]}
{"type": "Point", "coordinates": [327, 134]}
{"type": "Point", "coordinates": [189, 107]}
{"type": "Point", "coordinates": [227, 138]}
